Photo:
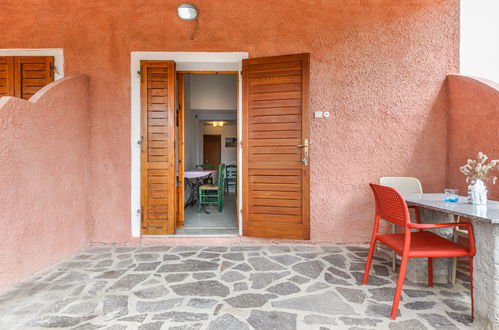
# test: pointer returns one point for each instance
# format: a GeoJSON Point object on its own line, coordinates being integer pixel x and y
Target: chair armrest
{"type": "Point", "coordinates": [437, 225]}
{"type": "Point", "coordinates": [469, 229]}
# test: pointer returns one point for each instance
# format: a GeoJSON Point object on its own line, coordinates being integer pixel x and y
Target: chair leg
{"type": "Point", "coordinates": [400, 283]}
{"type": "Point", "coordinates": [453, 271]}
{"type": "Point", "coordinates": [430, 272]}
{"type": "Point", "coordinates": [200, 201]}
{"type": "Point", "coordinates": [471, 290]}
{"type": "Point", "coordinates": [455, 238]}
{"type": "Point", "coordinates": [394, 254]}
{"type": "Point", "coordinates": [369, 260]}
{"type": "Point", "coordinates": [394, 261]}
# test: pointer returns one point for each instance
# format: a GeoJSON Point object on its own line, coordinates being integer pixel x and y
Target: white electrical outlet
{"type": "Point", "coordinates": [318, 114]}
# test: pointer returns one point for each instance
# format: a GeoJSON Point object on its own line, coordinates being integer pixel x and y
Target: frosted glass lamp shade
{"type": "Point", "coordinates": [187, 12]}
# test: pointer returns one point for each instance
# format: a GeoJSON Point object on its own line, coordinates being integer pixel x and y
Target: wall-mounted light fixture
{"type": "Point", "coordinates": [187, 12]}
{"type": "Point", "coordinates": [217, 123]}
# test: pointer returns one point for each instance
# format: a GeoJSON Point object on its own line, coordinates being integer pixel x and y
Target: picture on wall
{"type": "Point", "coordinates": [230, 142]}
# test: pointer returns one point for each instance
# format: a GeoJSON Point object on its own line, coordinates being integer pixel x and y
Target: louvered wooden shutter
{"type": "Point", "coordinates": [32, 74]}
{"type": "Point", "coordinates": [6, 76]}
{"type": "Point", "coordinates": [23, 76]}
{"type": "Point", "coordinates": [276, 194]}
{"type": "Point", "coordinates": [158, 147]}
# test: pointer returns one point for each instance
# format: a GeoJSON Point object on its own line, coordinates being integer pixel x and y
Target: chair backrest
{"type": "Point", "coordinates": [221, 176]}
{"type": "Point", "coordinates": [205, 167]}
{"type": "Point", "coordinates": [402, 184]}
{"type": "Point", "coordinates": [390, 205]}
{"type": "Point", "coordinates": [231, 171]}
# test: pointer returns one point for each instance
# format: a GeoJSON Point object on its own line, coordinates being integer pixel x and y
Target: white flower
{"type": "Point", "coordinates": [477, 169]}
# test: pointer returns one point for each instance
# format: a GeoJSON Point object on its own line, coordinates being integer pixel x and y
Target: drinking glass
{"type": "Point", "coordinates": [451, 195]}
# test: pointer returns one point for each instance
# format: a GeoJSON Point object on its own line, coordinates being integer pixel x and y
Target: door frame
{"type": "Point", "coordinates": [185, 61]}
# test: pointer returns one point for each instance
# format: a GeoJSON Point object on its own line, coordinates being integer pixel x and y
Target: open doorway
{"type": "Point", "coordinates": [207, 110]}
{"type": "Point", "coordinates": [273, 189]}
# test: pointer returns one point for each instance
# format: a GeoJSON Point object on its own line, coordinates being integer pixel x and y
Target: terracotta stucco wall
{"type": "Point", "coordinates": [473, 127]}
{"type": "Point", "coordinates": [379, 66]}
{"type": "Point", "coordinates": [44, 177]}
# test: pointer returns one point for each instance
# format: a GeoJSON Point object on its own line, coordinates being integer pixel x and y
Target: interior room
{"type": "Point", "coordinates": [210, 153]}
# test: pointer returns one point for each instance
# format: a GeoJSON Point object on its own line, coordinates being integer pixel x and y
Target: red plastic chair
{"type": "Point", "coordinates": [391, 207]}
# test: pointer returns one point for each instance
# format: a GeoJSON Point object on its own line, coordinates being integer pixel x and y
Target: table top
{"type": "Point", "coordinates": [199, 174]}
{"type": "Point", "coordinates": [489, 212]}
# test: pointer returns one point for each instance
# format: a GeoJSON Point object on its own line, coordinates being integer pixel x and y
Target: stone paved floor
{"type": "Point", "coordinates": [238, 287]}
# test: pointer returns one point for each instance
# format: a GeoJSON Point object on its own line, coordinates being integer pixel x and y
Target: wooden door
{"type": "Point", "coordinates": [276, 191]}
{"type": "Point", "coordinates": [212, 150]}
{"type": "Point", "coordinates": [158, 181]}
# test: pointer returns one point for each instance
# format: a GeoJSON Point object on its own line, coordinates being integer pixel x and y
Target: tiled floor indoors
{"type": "Point", "coordinates": [213, 222]}
{"type": "Point", "coordinates": [237, 287]}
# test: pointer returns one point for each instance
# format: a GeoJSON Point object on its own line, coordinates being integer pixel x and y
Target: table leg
{"type": "Point", "coordinates": [192, 198]}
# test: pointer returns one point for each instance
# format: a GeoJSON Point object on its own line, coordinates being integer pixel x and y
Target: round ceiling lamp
{"type": "Point", "coordinates": [187, 12]}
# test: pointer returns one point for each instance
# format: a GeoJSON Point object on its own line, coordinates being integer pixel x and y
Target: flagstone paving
{"type": "Point", "coordinates": [236, 287]}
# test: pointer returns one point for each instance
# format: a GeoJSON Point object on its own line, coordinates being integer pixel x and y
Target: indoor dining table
{"type": "Point", "coordinates": [485, 221]}
{"type": "Point", "coordinates": [193, 180]}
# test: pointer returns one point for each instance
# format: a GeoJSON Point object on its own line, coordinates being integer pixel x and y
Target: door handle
{"type": "Point", "coordinates": [305, 146]}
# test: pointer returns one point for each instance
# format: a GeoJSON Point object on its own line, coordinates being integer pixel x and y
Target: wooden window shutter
{"type": "Point", "coordinates": [158, 177]}
{"type": "Point", "coordinates": [32, 73]}
{"type": "Point", "coordinates": [6, 76]}
{"type": "Point", "coordinates": [276, 188]}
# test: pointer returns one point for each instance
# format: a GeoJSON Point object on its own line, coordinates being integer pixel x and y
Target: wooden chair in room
{"type": "Point", "coordinates": [230, 178]}
{"type": "Point", "coordinates": [205, 167]}
{"type": "Point", "coordinates": [210, 194]}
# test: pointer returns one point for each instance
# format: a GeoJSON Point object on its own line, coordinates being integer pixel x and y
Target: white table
{"type": "Point", "coordinates": [485, 220]}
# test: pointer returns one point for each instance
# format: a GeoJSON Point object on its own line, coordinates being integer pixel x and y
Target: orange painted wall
{"type": "Point", "coordinates": [44, 177]}
{"type": "Point", "coordinates": [378, 66]}
{"type": "Point", "coordinates": [473, 127]}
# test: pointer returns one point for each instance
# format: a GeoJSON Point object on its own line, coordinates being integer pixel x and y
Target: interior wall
{"type": "Point", "coordinates": [45, 177]}
{"type": "Point", "coordinates": [191, 129]}
{"type": "Point", "coordinates": [378, 66]}
{"type": "Point", "coordinates": [213, 95]}
{"type": "Point", "coordinates": [228, 154]}
{"type": "Point", "coordinates": [473, 128]}
{"type": "Point", "coordinates": [213, 91]}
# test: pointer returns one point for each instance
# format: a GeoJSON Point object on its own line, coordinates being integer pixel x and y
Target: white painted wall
{"type": "Point", "coordinates": [191, 130]}
{"type": "Point", "coordinates": [228, 155]}
{"type": "Point", "coordinates": [479, 48]}
{"type": "Point", "coordinates": [213, 91]}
